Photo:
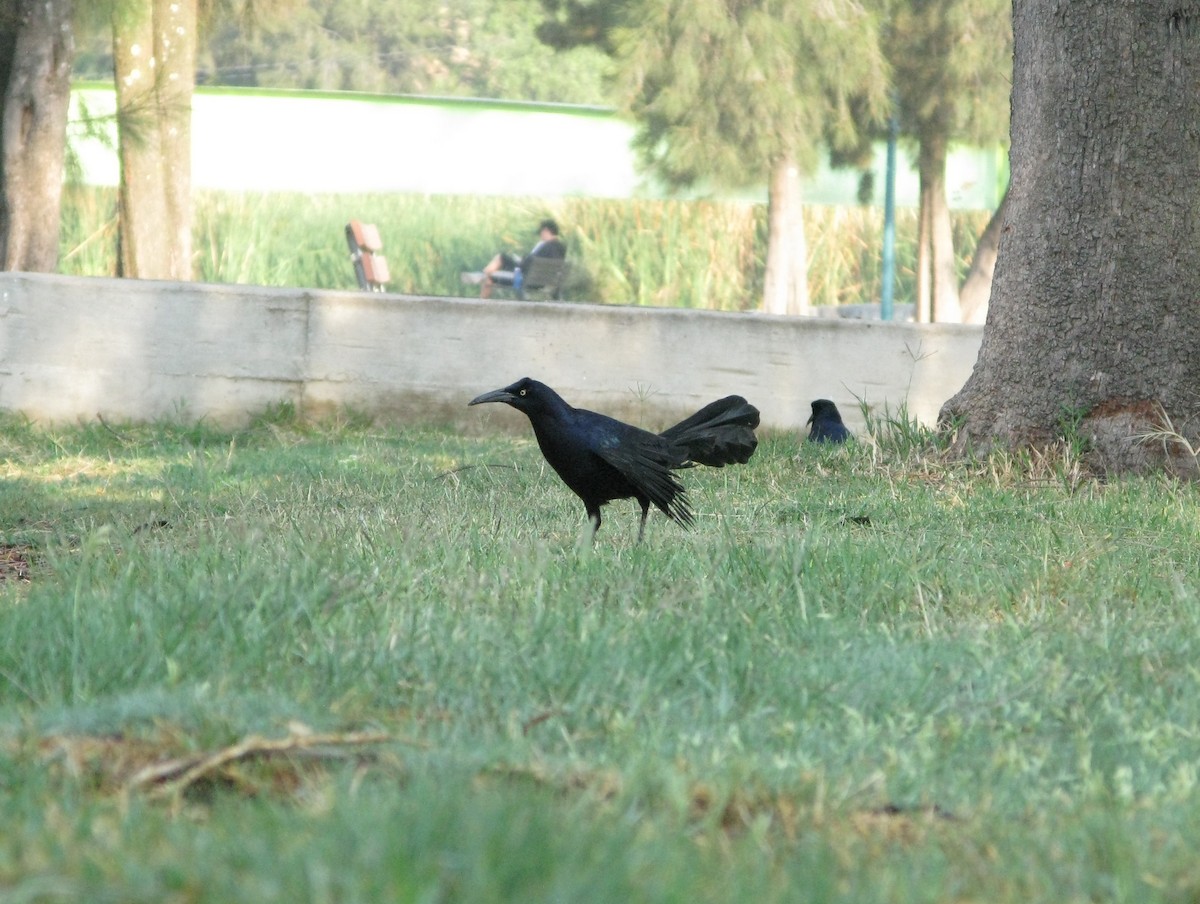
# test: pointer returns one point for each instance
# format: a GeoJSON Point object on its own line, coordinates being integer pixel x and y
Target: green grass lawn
{"type": "Point", "coordinates": [349, 663]}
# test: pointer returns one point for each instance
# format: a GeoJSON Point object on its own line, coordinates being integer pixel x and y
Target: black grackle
{"type": "Point", "coordinates": [827, 426]}
{"type": "Point", "coordinates": [602, 459]}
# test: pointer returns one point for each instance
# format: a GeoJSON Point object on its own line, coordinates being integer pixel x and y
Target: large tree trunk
{"type": "Point", "coordinates": [977, 287]}
{"type": "Point", "coordinates": [154, 51]}
{"type": "Point", "coordinates": [1094, 321]}
{"type": "Point", "coordinates": [937, 279]}
{"type": "Point", "coordinates": [37, 49]}
{"type": "Point", "coordinates": [786, 284]}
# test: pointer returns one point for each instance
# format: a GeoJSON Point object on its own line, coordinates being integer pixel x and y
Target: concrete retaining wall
{"type": "Point", "coordinates": [132, 350]}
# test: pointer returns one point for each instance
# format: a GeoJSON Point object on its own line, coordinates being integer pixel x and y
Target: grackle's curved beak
{"type": "Point", "coordinates": [497, 395]}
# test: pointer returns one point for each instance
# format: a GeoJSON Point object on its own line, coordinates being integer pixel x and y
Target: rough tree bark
{"type": "Point", "coordinates": [785, 289]}
{"type": "Point", "coordinates": [154, 55]}
{"type": "Point", "coordinates": [37, 49]}
{"type": "Point", "coordinates": [1094, 321]}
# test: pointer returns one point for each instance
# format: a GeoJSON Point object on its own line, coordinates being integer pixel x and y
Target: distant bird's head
{"type": "Point", "coordinates": [525, 395]}
{"type": "Point", "coordinates": [823, 409]}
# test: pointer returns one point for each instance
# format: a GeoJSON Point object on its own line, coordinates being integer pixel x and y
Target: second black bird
{"type": "Point", "coordinates": [827, 426]}
{"type": "Point", "coordinates": [602, 459]}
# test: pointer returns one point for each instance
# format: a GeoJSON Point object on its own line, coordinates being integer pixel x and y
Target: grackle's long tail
{"type": "Point", "coordinates": [721, 433]}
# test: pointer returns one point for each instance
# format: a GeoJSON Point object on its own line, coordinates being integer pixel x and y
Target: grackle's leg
{"type": "Point", "coordinates": [645, 503]}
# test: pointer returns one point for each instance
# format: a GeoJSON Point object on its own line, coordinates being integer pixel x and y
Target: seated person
{"type": "Point", "coordinates": [501, 268]}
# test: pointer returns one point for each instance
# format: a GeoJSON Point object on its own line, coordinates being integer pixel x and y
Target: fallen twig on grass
{"type": "Point", "coordinates": [454, 472]}
{"type": "Point", "coordinates": [169, 778]}
{"type": "Point", "coordinates": [116, 433]}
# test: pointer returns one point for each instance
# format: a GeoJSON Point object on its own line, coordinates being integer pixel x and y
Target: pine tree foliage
{"type": "Point", "coordinates": [722, 89]}
{"type": "Point", "coordinates": [952, 63]}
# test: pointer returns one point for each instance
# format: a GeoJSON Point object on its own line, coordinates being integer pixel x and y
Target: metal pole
{"type": "Point", "coordinates": [889, 224]}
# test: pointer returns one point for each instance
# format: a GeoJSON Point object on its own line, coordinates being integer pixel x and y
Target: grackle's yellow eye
{"type": "Point", "coordinates": [524, 392]}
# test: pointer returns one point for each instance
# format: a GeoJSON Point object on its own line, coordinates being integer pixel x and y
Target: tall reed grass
{"type": "Point", "coordinates": [695, 254]}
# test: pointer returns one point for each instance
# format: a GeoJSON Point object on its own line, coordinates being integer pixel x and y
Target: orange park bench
{"type": "Point", "coordinates": [366, 253]}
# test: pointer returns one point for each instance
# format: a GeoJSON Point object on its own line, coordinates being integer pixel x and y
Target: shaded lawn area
{"type": "Point", "coordinates": [351, 663]}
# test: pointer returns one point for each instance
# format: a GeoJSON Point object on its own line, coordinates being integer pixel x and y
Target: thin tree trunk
{"type": "Point", "coordinates": [786, 283]}
{"type": "Point", "coordinates": [924, 299]}
{"type": "Point", "coordinates": [154, 58]}
{"type": "Point", "coordinates": [938, 281]}
{"type": "Point", "coordinates": [1093, 324]}
{"type": "Point", "coordinates": [175, 47]}
{"type": "Point", "coordinates": [977, 287]}
{"type": "Point", "coordinates": [36, 96]}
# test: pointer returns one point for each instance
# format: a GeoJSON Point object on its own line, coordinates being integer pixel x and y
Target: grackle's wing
{"type": "Point", "coordinates": [647, 466]}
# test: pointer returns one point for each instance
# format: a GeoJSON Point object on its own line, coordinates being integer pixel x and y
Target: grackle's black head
{"type": "Point", "coordinates": [824, 408]}
{"type": "Point", "coordinates": [525, 395]}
